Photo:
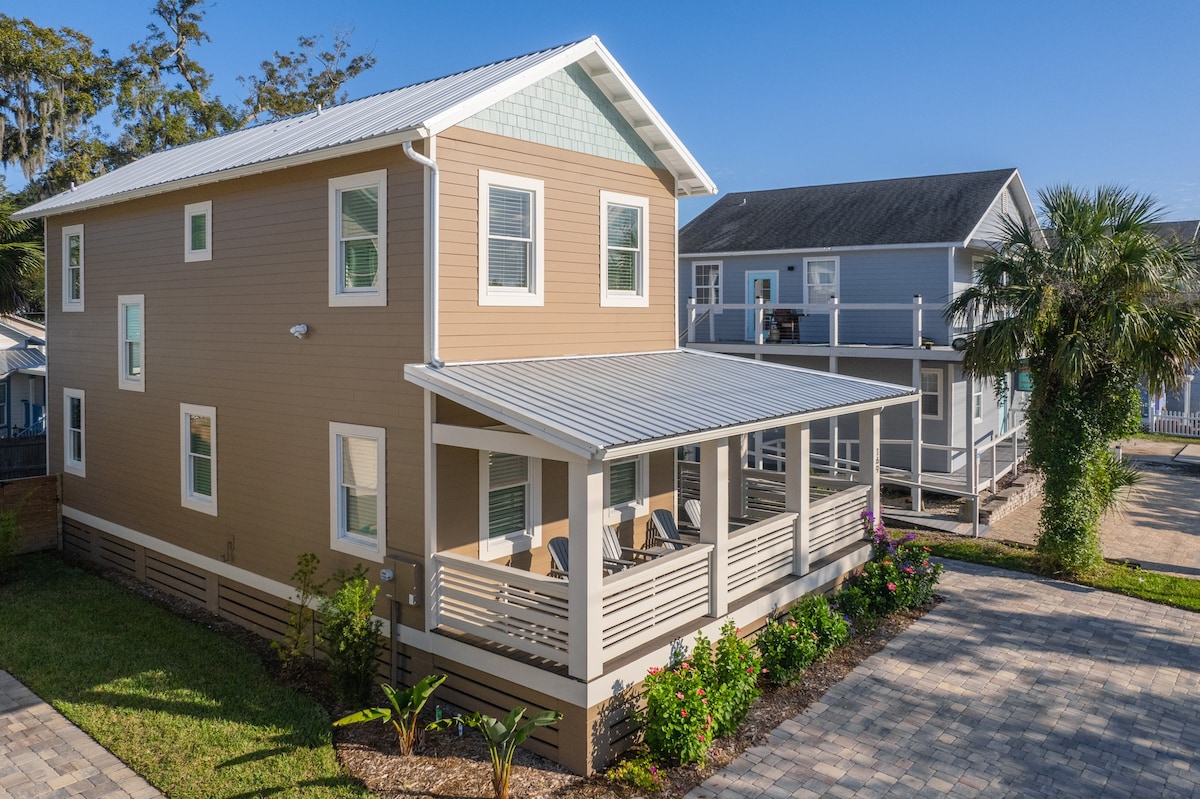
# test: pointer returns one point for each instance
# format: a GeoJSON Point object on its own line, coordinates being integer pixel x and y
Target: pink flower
{"type": "Point", "coordinates": [655, 670]}
{"type": "Point", "coordinates": [699, 692]}
{"type": "Point", "coordinates": [686, 666]}
{"type": "Point", "coordinates": [683, 713]}
{"type": "Point", "coordinates": [891, 586]}
{"type": "Point", "coordinates": [701, 737]}
{"type": "Point", "coordinates": [678, 695]}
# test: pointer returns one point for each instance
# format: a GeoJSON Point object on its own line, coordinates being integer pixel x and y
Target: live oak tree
{"type": "Point", "coordinates": [1096, 302]}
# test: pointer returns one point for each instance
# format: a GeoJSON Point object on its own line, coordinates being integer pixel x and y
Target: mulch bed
{"type": "Point", "coordinates": [447, 766]}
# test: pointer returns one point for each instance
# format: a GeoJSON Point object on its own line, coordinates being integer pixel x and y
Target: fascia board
{"type": "Point", "coordinates": [973, 235]}
{"type": "Point", "coordinates": [822, 250]}
{"type": "Point", "coordinates": [274, 165]}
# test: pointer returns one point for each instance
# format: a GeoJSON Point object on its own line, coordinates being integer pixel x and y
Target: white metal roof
{"type": "Point", "coordinates": [610, 406]}
{"type": "Point", "coordinates": [381, 120]}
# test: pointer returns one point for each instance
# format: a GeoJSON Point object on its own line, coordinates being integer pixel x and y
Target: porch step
{"type": "Point", "coordinates": [996, 507]}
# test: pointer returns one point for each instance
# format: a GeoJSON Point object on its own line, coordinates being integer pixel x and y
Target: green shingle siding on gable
{"type": "Point", "coordinates": [566, 110]}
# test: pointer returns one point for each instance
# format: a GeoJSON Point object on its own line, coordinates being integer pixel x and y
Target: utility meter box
{"type": "Point", "coordinates": [409, 580]}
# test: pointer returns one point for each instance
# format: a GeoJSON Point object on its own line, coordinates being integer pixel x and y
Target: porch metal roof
{"type": "Point", "coordinates": [610, 406]}
{"type": "Point", "coordinates": [24, 360]}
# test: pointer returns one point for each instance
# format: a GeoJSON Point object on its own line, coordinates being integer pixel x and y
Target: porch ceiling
{"type": "Point", "coordinates": [609, 406]}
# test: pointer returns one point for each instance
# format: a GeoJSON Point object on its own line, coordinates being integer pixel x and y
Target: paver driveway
{"type": "Point", "coordinates": [1013, 687]}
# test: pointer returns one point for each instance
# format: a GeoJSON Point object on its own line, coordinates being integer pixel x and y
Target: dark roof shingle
{"type": "Point", "coordinates": [923, 210]}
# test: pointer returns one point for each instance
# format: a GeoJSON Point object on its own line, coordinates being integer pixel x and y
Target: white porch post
{"type": "Point", "coordinates": [738, 458]}
{"type": "Point", "coordinates": [585, 593]}
{"type": "Point", "coordinates": [714, 521]}
{"type": "Point", "coordinates": [918, 435]}
{"type": "Point", "coordinates": [796, 491]}
{"type": "Point", "coordinates": [868, 458]}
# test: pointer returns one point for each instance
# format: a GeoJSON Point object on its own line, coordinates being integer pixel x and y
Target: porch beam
{"type": "Point", "coordinates": [585, 593]}
{"type": "Point", "coordinates": [797, 485]}
{"type": "Point", "coordinates": [868, 457]}
{"type": "Point", "coordinates": [492, 440]}
{"type": "Point", "coordinates": [714, 521]}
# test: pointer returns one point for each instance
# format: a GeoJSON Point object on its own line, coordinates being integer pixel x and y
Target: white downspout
{"type": "Point", "coordinates": [431, 267]}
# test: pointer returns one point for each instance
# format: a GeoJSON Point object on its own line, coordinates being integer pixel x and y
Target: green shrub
{"type": "Point", "coordinates": [787, 650]}
{"type": "Point", "coordinates": [351, 637]}
{"type": "Point", "coordinates": [300, 637]}
{"type": "Point", "coordinates": [829, 630]}
{"type": "Point", "coordinates": [639, 770]}
{"type": "Point", "coordinates": [405, 707]}
{"type": "Point", "coordinates": [856, 605]}
{"type": "Point", "coordinates": [899, 575]}
{"type": "Point", "coordinates": [677, 723]}
{"type": "Point", "coordinates": [730, 675]}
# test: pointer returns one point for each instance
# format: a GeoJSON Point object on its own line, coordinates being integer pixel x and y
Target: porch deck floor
{"type": "Point", "coordinates": [957, 479]}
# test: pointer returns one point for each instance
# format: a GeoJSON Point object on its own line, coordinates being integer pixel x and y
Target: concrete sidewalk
{"type": "Point", "coordinates": [44, 755]}
{"type": "Point", "coordinates": [1013, 687]}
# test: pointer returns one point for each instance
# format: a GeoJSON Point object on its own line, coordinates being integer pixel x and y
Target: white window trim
{"type": "Point", "coordinates": [499, 295]}
{"type": "Point", "coordinates": [197, 209]}
{"type": "Point", "coordinates": [524, 540]}
{"type": "Point", "coordinates": [197, 502]}
{"type": "Point", "coordinates": [69, 304]}
{"type": "Point", "coordinates": [70, 466]}
{"type": "Point", "coordinates": [339, 296]}
{"type": "Point", "coordinates": [124, 380]}
{"type": "Point", "coordinates": [977, 399]}
{"type": "Point", "coordinates": [340, 540]}
{"type": "Point", "coordinates": [837, 274]}
{"type": "Point", "coordinates": [720, 265]}
{"type": "Point", "coordinates": [641, 503]}
{"type": "Point", "coordinates": [940, 393]}
{"type": "Point", "coordinates": [639, 297]}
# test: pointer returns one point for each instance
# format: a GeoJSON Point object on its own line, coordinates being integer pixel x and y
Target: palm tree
{"type": "Point", "coordinates": [1095, 304]}
{"type": "Point", "coordinates": [20, 261]}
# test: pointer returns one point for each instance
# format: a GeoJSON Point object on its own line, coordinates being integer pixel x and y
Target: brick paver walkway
{"type": "Point", "coordinates": [44, 755]}
{"type": "Point", "coordinates": [1013, 687]}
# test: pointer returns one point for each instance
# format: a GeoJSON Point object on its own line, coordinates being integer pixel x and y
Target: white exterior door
{"type": "Point", "coordinates": [759, 285]}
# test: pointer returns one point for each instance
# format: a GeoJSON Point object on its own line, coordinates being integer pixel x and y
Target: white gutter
{"type": "Point", "coordinates": [432, 258]}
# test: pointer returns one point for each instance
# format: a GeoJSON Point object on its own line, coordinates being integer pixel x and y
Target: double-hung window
{"type": "Point", "coordinates": [626, 488]}
{"type": "Point", "coordinates": [706, 282]}
{"type": "Point", "coordinates": [198, 457]}
{"type": "Point", "coordinates": [72, 272]}
{"type": "Point", "coordinates": [977, 398]}
{"type": "Point", "coordinates": [624, 256]}
{"type": "Point", "coordinates": [73, 432]}
{"type": "Point", "coordinates": [509, 504]}
{"type": "Point", "coordinates": [358, 495]}
{"type": "Point", "coordinates": [821, 279]}
{"type": "Point", "coordinates": [358, 239]}
{"type": "Point", "coordinates": [197, 231]}
{"type": "Point", "coordinates": [131, 323]}
{"type": "Point", "coordinates": [931, 393]}
{"type": "Point", "coordinates": [511, 240]}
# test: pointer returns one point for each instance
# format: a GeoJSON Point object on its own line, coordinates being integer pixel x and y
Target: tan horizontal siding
{"type": "Point", "coordinates": [571, 321]}
{"type": "Point", "coordinates": [217, 334]}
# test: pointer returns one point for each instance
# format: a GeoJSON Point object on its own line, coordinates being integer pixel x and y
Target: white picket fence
{"type": "Point", "coordinates": [1174, 423]}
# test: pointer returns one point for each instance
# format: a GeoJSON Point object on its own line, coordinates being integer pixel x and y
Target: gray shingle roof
{"type": "Point", "coordinates": [603, 406]}
{"type": "Point", "coordinates": [925, 210]}
{"type": "Point", "coordinates": [1184, 231]}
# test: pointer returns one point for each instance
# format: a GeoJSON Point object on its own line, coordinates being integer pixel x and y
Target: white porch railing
{"type": "Point", "coordinates": [836, 520]}
{"type": "Point", "coordinates": [760, 554]}
{"type": "Point", "coordinates": [641, 602]}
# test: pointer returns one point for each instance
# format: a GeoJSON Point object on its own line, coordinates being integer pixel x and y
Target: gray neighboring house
{"type": "Point", "coordinates": [1181, 400]}
{"type": "Point", "coordinates": [853, 278]}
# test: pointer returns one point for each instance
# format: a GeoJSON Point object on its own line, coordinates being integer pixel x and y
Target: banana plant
{"type": "Point", "coordinates": [502, 738]}
{"type": "Point", "coordinates": [405, 707]}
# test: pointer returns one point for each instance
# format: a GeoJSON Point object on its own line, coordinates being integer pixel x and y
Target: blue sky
{"type": "Point", "coordinates": [773, 94]}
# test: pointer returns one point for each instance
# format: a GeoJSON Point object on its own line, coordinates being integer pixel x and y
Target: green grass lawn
{"type": "Point", "coordinates": [188, 709]}
{"type": "Point", "coordinates": [1180, 592]}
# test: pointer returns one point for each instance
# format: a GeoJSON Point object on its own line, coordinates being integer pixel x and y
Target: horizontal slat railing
{"type": "Point", "coordinates": [836, 520]}
{"type": "Point", "coordinates": [641, 603]}
{"type": "Point", "coordinates": [760, 554]}
{"type": "Point", "coordinates": [512, 607]}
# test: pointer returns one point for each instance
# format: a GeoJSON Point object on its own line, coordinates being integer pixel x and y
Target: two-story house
{"type": "Point", "coordinates": [434, 331]}
{"type": "Point", "coordinates": [854, 278]}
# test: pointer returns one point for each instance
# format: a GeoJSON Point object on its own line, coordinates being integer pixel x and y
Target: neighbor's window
{"type": "Point", "coordinates": [511, 268]}
{"type": "Point", "coordinates": [358, 239]}
{"type": "Point", "coordinates": [977, 397]}
{"type": "Point", "coordinates": [73, 432]}
{"type": "Point", "coordinates": [198, 457]}
{"type": "Point", "coordinates": [197, 231]}
{"type": "Point", "coordinates": [357, 502]}
{"type": "Point", "coordinates": [72, 273]}
{"type": "Point", "coordinates": [132, 326]}
{"type": "Point", "coordinates": [821, 279]}
{"type": "Point", "coordinates": [624, 278]}
{"type": "Point", "coordinates": [706, 283]}
{"type": "Point", "coordinates": [510, 504]}
{"type": "Point", "coordinates": [931, 393]}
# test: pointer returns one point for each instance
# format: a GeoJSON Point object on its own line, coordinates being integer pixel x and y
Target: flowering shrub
{"type": "Point", "coordinates": [787, 649]}
{"type": "Point", "coordinates": [856, 605]}
{"type": "Point", "coordinates": [640, 771]}
{"type": "Point", "coordinates": [731, 676]}
{"type": "Point", "coordinates": [899, 575]}
{"type": "Point", "coordinates": [677, 722]}
{"type": "Point", "coordinates": [830, 630]}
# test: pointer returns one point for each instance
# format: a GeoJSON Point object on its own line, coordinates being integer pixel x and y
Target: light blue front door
{"type": "Point", "coordinates": [759, 285]}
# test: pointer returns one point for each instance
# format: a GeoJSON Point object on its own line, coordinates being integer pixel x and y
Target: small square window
{"type": "Point", "coordinates": [131, 342]}
{"type": "Point", "coordinates": [624, 256]}
{"type": "Point", "coordinates": [198, 457]}
{"type": "Point", "coordinates": [74, 451]}
{"type": "Point", "coordinates": [72, 271]}
{"type": "Point", "coordinates": [511, 268]}
{"type": "Point", "coordinates": [358, 490]}
{"type": "Point", "coordinates": [197, 231]}
{"type": "Point", "coordinates": [358, 239]}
